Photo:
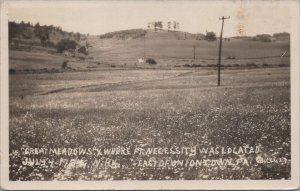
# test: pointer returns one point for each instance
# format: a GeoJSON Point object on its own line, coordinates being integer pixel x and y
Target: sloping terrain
{"type": "Point", "coordinates": [164, 46]}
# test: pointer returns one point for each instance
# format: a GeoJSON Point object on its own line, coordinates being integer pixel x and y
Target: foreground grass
{"type": "Point", "coordinates": [152, 109]}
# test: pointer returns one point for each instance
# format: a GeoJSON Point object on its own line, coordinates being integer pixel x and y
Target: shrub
{"type": "Point", "coordinates": [65, 44]}
{"type": "Point", "coordinates": [50, 44]}
{"type": "Point", "coordinates": [251, 65]}
{"type": "Point", "coordinates": [150, 61]}
{"type": "Point", "coordinates": [83, 50]}
{"type": "Point", "coordinates": [265, 65]}
{"type": "Point", "coordinates": [12, 71]}
{"type": "Point", "coordinates": [263, 38]}
{"type": "Point", "coordinates": [194, 65]}
{"type": "Point", "coordinates": [81, 57]}
{"type": "Point", "coordinates": [64, 65]}
{"type": "Point", "coordinates": [26, 36]}
{"type": "Point", "coordinates": [282, 35]}
{"type": "Point", "coordinates": [231, 57]}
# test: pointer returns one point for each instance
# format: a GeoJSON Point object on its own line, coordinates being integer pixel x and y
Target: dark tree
{"type": "Point", "coordinates": [14, 30]}
{"type": "Point", "coordinates": [66, 44]}
{"type": "Point", "coordinates": [155, 26]}
{"type": "Point", "coordinates": [44, 36]}
{"type": "Point", "coordinates": [37, 29]}
{"type": "Point", "coordinates": [22, 24]}
{"type": "Point", "coordinates": [159, 24]}
{"type": "Point", "coordinates": [169, 26]}
{"type": "Point", "coordinates": [174, 25]}
{"type": "Point", "coordinates": [77, 36]}
{"type": "Point", "coordinates": [211, 36]}
{"type": "Point", "coordinates": [281, 35]}
{"type": "Point", "coordinates": [263, 38]}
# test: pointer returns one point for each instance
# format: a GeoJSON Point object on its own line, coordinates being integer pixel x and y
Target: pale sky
{"type": "Point", "coordinates": [246, 18]}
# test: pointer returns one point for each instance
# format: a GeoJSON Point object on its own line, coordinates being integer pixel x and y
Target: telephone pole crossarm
{"type": "Point", "coordinates": [222, 18]}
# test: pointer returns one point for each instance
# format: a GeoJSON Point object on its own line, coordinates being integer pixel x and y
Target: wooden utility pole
{"type": "Point", "coordinates": [145, 46]}
{"type": "Point", "coordinates": [220, 49]}
{"type": "Point", "coordinates": [194, 51]}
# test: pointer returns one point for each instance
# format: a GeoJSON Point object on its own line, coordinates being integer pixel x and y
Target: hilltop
{"type": "Point", "coordinates": [159, 34]}
{"type": "Point", "coordinates": [43, 47]}
{"type": "Point", "coordinates": [177, 47]}
{"type": "Point", "coordinates": [40, 38]}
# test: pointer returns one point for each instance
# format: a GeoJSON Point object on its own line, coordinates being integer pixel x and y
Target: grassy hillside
{"type": "Point", "coordinates": [170, 46]}
{"type": "Point", "coordinates": [174, 49]}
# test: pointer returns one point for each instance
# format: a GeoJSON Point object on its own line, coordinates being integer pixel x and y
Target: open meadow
{"type": "Point", "coordinates": [178, 109]}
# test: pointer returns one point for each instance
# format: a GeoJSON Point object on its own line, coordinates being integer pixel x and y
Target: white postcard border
{"type": "Point", "coordinates": [142, 185]}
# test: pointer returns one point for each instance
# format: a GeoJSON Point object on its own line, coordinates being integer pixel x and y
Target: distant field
{"type": "Point", "coordinates": [151, 108]}
{"type": "Point", "coordinates": [165, 46]}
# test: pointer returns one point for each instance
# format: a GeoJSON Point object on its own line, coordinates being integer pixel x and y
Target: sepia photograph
{"type": "Point", "coordinates": [154, 92]}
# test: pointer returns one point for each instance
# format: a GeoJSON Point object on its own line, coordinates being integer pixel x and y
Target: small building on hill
{"type": "Point", "coordinates": [141, 60]}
